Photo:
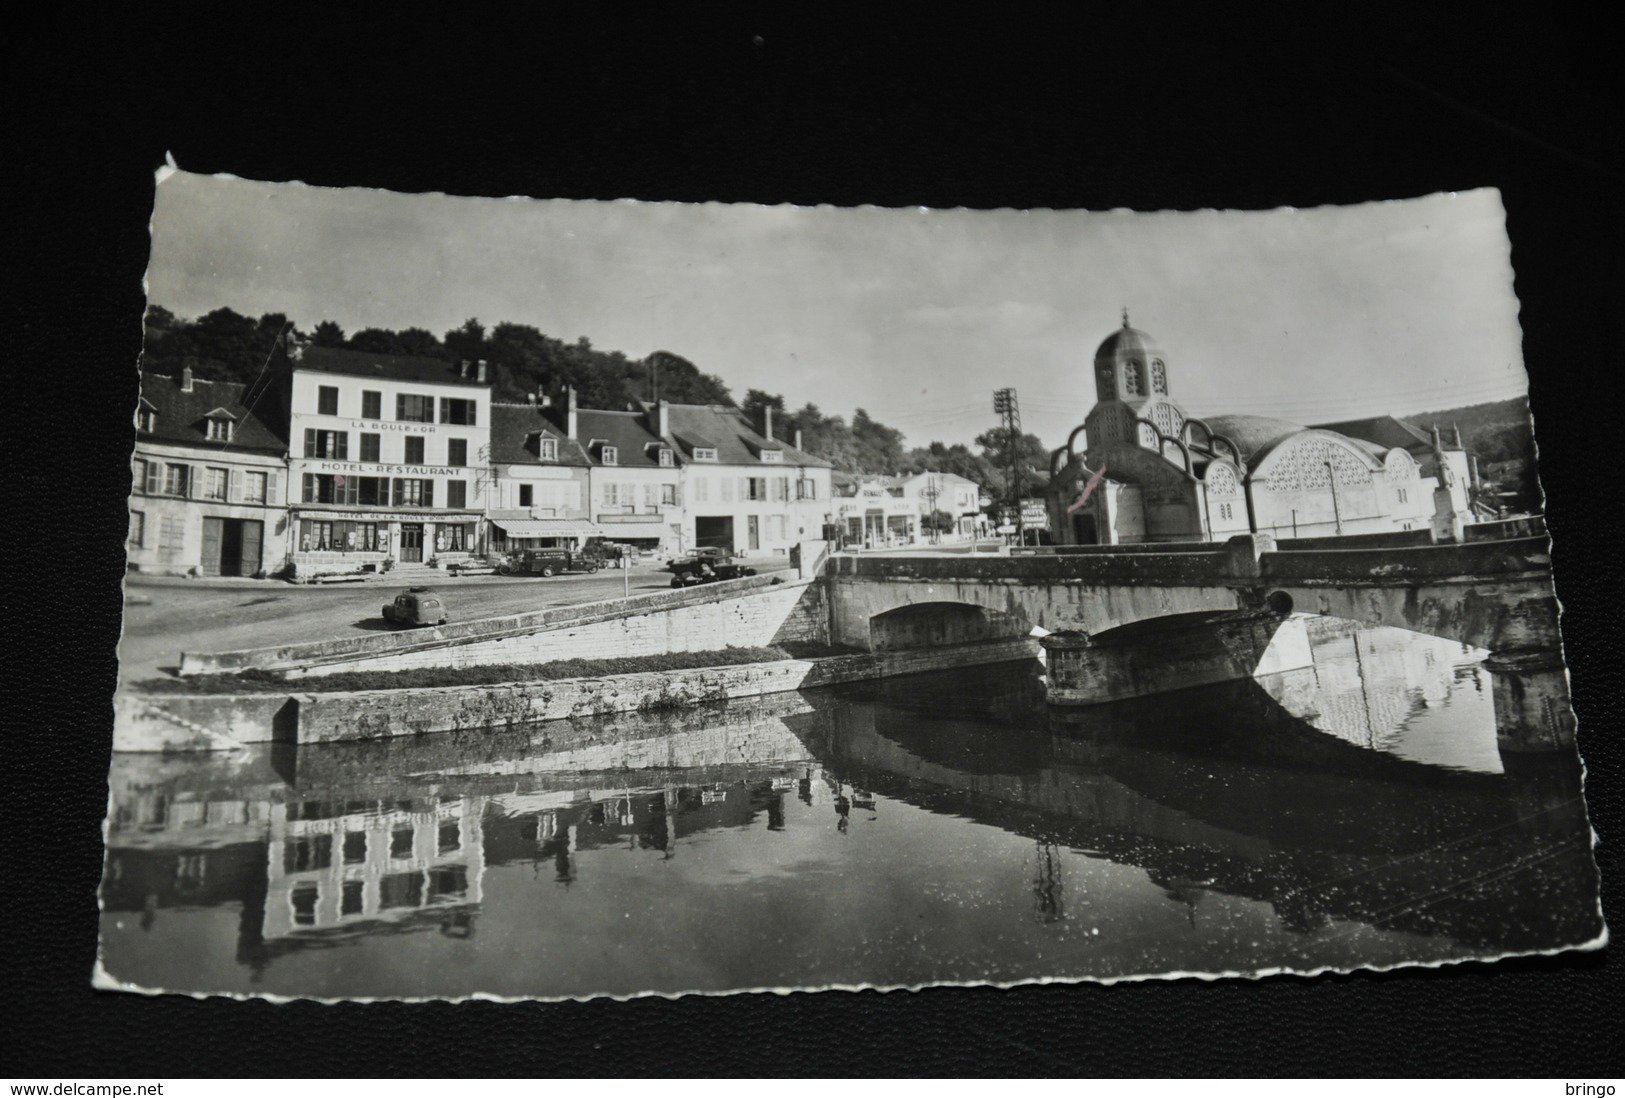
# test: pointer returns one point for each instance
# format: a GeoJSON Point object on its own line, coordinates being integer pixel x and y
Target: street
{"type": "Point", "coordinates": [165, 616]}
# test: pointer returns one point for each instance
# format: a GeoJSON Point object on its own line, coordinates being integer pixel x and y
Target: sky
{"type": "Point", "coordinates": [915, 315]}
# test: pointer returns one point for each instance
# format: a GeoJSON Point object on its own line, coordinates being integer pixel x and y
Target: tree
{"type": "Point", "coordinates": [1031, 459]}
{"type": "Point", "coordinates": [467, 342]}
{"type": "Point", "coordinates": [880, 448]}
{"type": "Point", "coordinates": [327, 334]}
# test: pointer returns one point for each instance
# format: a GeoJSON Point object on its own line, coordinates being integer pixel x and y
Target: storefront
{"type": "Point", "coordinates": [510, 535]}
{"type": "Point", "coordinates": [361, 541]}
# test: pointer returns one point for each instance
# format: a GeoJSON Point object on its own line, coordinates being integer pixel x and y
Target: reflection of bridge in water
{"type": "Point", "coordinates": [1220, 789]}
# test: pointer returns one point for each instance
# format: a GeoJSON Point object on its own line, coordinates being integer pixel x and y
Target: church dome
{"type": "Point", "coordinates": [1128, 366]}
{"type": "Point", "coordinates": [1124, 342]}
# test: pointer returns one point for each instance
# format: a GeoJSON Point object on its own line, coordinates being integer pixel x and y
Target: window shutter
{"type": "Point", "coordinates": [271, 489]}
{"type": "Point", "coordinates": [400, 405]}
{"type": "Point", "coordinates": [234, 486]}
{"type": "Point", "coordinates": [154, 478]}
{"type": "Point", "coordinates": [428, 493]}
{"type": "Point", "coordinates": [343, 453]}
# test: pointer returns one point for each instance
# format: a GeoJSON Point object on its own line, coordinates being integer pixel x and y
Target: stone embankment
{"type": "Point", "coordinates": [217, 722]}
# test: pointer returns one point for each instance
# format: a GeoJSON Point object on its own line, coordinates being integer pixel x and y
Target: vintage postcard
{"type": "Point", "coordinates": [550, 599]}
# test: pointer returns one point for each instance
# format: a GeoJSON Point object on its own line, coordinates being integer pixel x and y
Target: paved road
{"type": "Point", "coordinates": [164, 617]}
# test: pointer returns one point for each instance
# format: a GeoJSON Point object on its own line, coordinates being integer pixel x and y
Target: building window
{"type": "Point", "coordinates": [327, 444]}
{"type": "Point", "coordinates": [219, 429]}
{"type": "Point", "coordinates": [781, 489]}
{"type": "Point", "coordinates": [806, 489]}
{"type": "Point", "coordinates": [753, 488]}
{"type": "Point", "coordinates": [214, 484]}
{"type": "Point", "coordinates": [456, 493]}
{"type": "Point", "coordinates": [549, 449]}
{"type": "Point", "coordinates": [727, 489]}
{"type": "Point", "coordinates": [177, 480]}
{"type": "Point", "coordinates": [454, 537]}
{"type": "Point", "coordinates": [705, 453]}
{"type": "Point", "coordinates": [526, 495]}
{"type": "Point", "coordinates": [146, 420]}
{"type": "Point", "coordinates": [611, 494]}
{"type": "Point", "coordinates": [665, 458]}
{"type": "Point", "coordinates": [411, 408]}
{"type": "Point", "coordinates": [171, 534]}
{"type": "Point", "coordinates": [254, 487]}
{"type": "Point", "coordinates": [138, 529]}
{"type": "Point", "coordinates": [457, 452]}
{"type": "Point", "coordinates": [668, 495]}
{"type": "Point", "coordinates": [1159, 376]}
{"type": "Point", "coordinates": [1402, 496]}
{"type": "Point", "coordinates": [138, 475]}
{"type": "Point", "coordinates": [702, 489]}
{"type": "Point", "coordinates": [609, 455]}
{"type": "Point", "coordinates": [327, 400]}
{"type": "Point", "coordinates": [413, 492]}
{"type": "Point", "coordinates": [369, 446]}
{"type": "Point", "coordinates": [453, 410]}
{"type": "Point", "coordinates": [772, 456]}
{"type": "Point", "coordinates": [1131, 378]}
{"type": "Point", "coordinates": [414, 450]}
{"type": "Point", "coordinates": [372, 404]}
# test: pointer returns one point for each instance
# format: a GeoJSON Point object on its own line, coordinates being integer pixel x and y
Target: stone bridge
{"type": "Point", "coordinates": [1495, 595]}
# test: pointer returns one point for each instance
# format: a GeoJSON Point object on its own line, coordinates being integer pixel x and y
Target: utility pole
{"type": "Point", "coordinates": [931, 515]}
{"type": "Point", "coordinates": [1006, 405]}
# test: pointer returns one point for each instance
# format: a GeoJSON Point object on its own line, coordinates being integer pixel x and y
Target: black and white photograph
{"type": "Point", "coordinates": [835, 542]}
{"type": "Point", "coordinates": [549, 599]}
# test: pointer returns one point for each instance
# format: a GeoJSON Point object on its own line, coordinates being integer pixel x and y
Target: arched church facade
{"type": "Point", "coordinates": [1159, 474]}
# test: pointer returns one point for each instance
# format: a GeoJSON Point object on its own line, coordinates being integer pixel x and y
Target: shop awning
{"type": "Point", "coordinates": [547, 528]}
{"type": "Point", "coordinates": [633, 531]}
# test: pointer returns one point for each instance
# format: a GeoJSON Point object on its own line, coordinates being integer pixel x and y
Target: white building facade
{"type": "Point", "coordinates": [390, 460]}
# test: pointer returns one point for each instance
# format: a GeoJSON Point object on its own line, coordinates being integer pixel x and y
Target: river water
{"type": "Point", "coordinates": [942, 828]}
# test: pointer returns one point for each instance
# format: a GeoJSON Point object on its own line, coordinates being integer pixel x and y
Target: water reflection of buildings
{"type": "Point", "coordinates": [333, 864]}
{"type": "Point", "coordinates": [1370, 683]}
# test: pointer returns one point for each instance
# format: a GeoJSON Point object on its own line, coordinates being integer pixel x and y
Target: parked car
{"type": "Point", "coordinates": [416, 606]}
{"type": "Point", "coordinates": [548, 562]}
{"type": "Point", "coordinates": [707, 564]}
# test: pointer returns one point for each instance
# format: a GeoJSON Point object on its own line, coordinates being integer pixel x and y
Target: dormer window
{"type": "Point", "coordinates": [146, 420]}
{"type": "Point", "coordinates": [773, 456]}
{"type": "Point", "coordinates": [665, 458]}
{"type": "Point", "coordinates": [608, 455]}
{"type": "Point", "coordinates": [217, 427]}
{"type": "Point", "coordinates": [548, 449]}
{"type": "Point", "coordinates": [705, 453]}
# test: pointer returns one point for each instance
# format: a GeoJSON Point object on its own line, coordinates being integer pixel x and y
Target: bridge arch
{"type": "Point", "coordinates": [928, 624]}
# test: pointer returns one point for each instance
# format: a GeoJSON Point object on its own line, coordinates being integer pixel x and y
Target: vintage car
{"type": "Point", "coordinates": [416, 606]}
{"type": "Point", "coordinates": [707, 564]}
{"type": "Point", "coordinates": [549, 562]}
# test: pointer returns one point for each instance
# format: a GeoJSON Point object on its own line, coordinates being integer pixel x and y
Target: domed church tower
{"type": "Point", "coordinates": [1131, 383]}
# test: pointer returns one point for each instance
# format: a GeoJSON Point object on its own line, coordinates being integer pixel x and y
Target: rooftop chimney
{"type": "Point", "coordinates": [462, 367]}
{"type": "Point", "coordinates": [798, 438]}
{"type": "Point", "coordinates": [767, 422]}
{"type": "Point", "coordinates": [480, 376]}
{"type": "Point", "coordinates": [530, 398]}
{"type": "Point", "coordinates": [540, 398]}
{"type": "Point", "coordinates": [662, 419]}
{"type": "Point", "coordinates": [186, 379]}
{"type": "Point", "coordinates": [570, 411]}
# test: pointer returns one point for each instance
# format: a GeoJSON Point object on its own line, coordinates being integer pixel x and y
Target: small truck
{"type": "Point", "coordinates": [707, 564]}
{"type": "Point", "coordinates": [548, 562]}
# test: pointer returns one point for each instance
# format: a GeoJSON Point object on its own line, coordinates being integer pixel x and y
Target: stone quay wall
{"type": "Point", "coordinates": [225, 722]}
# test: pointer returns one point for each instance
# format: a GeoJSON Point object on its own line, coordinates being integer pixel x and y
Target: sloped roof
{"type": "Point", "coordinates": [182, 418]}
{"type": "Point", "coordinates": [730, 433]}
{"type": "Point", "coordinates": [1252, 434]}
{"type": "Point", "coordinates": [1386, 431]}
{"type": "Point", "coordinates": [516, 430]}
{"type": "Point", "coordinates": [623, 430]}
{"type": "Point", "coordinates": [336, 360]}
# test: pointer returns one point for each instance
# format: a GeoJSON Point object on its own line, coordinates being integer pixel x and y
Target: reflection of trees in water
{"type": "Point", "coordinates": [1048, 905]}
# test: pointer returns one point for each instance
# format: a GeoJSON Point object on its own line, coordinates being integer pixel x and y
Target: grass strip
{"type": "Point", "coordinates": [268, 682]}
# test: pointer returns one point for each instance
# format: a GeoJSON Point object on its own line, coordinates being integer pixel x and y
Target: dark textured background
{"type": "Point", "coordinates": [906, 106]}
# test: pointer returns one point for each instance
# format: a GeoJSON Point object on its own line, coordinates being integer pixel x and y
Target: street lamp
{"type": "Point", "coordinates": [1337, 514]}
